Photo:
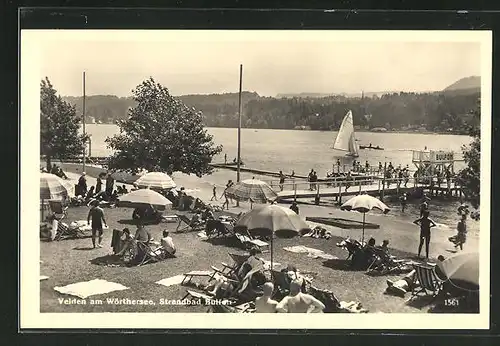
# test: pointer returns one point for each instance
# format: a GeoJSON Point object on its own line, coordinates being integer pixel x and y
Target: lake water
{"type": "Point", "coordinates": [302, 151]}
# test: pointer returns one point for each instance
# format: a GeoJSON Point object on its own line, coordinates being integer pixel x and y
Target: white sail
{"type": "Point", "coordinates": [346, 141]}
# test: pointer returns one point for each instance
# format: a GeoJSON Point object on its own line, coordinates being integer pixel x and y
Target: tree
{"type": "Point", "coordinates": [59, 137]}
{"type": "Point", "coordinates": [470, 176]}
{"type": "Point", "coordinates": [162, 134]}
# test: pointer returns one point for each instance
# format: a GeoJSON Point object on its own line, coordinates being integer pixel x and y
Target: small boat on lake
{"type": "Point", "coordinates": [370, 147]}
{"type": "Point", "coordinates": [346, 140]}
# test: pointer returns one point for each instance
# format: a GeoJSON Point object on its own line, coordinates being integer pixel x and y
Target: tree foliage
{"type": "Point", "coordinates": [162, 134]}
{"type": "Point", "coordinates": [59, 126]}
{"type": "Point", "coordinates": [470, 176]}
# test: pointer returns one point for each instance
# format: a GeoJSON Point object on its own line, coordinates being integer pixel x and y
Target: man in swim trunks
{"type": "Point", "coordinates": [425, 231]}
{"type": "Point", "coordinates": [97, 215]}
{"type": "Point", "coordinates": [298, 302]}
{"type": "Point", "coordinates": [265, 304]}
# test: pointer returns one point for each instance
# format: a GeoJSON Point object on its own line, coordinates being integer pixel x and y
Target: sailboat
{"type": "Point", "coordinates": [346, 140]}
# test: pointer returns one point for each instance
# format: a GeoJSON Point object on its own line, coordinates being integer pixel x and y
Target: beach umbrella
{"type": "Point", "coordinates": [363, 204]}
{"type": "Point", "coordinates": [462, 270]}
{"type": "Point", "coordinates": [156, 180]}
{"type": "Point", "coordinates": [253, 190]}
{"type": "Point", "coordinates": [53, 187]}
{"type": "Point", "coordinates": [274, 220]}
{"type": "Point", "coordinates": [143, 198]}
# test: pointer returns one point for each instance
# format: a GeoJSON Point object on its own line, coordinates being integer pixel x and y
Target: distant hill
{"type": "Point", "coordinates": [470, 84]}
{"type": "Point", "coordinates": [321, 95]}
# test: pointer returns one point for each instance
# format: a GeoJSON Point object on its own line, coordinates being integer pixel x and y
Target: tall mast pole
{"type": "Point", "coordinates": [239, 127]}
{"type": "Point", "coordinates": [83, 122]}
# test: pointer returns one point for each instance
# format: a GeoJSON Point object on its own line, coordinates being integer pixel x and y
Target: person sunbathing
{"type": "Point", "coordinates": [265, 304]}
{"type": "Point", "coordinates": [298, 302]}
{"type": "Point", "coordinates": [409, 282]}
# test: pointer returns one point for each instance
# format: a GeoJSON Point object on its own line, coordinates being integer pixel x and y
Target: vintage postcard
{"type": "Point", "coordinates": [253, 174]}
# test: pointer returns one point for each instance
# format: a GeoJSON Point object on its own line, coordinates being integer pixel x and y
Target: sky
{"type": "Point", "coordinates": [273, 62]}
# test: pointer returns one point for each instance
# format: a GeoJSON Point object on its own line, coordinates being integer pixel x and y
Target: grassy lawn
{"type": "Point", "coordinates": [70, 261]}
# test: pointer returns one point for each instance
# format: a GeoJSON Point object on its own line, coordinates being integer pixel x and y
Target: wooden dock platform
{"type": "Point", "coordinates": [372, 189]}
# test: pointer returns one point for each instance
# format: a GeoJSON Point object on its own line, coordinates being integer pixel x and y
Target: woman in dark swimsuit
{"type": "Point", "coordinates": [425, 231]}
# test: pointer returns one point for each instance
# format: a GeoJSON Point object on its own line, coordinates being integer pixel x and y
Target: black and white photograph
{"type": "Point", "coordinates": [183, 173]}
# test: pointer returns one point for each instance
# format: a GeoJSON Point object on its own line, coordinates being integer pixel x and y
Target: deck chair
{"type": "Point", "coordinates": [429, 283]}
{"type": "Point", "coordinates": [352, 246]}
{"type": "Point", "coordinates": [150, 252]}
{"type": "Point", "coordinates": [215, 228]}
{"type": "Point", "coordinates": [248, 242]}
{"type": "Point", "coordinates": [190, 225]}
{"type": "Point", "coordinates": [58, 209]}
{"type": "Point", "coordinates": [229, 269]}
{"type": "Point", "coordinates": [196, 273]}
{"type": "Point", "coordinates": [384, 262]}
{"type": "Point", "coordinates": [66, 232]}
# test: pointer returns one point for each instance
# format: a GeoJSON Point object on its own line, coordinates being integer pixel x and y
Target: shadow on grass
{"type": "Point", "coordinates": [84, 248]}
{"type": "Point", "coordinates": [108, 260]}
{"type": "Point", "coordinates": [225, 241]}
{"type": "Point", "coordinates": [339, 264]}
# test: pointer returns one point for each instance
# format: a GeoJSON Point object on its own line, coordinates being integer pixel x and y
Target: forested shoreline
{"type": "Point", "coordinates": [447, 111]}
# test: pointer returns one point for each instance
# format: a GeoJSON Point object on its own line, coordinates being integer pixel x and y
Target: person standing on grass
{"type": "Point", "coordinates": [214, 193]}
{"type": "Point", "coordinates": [403, 199]}
{"type": "Point", "coordinates": [110, 182]}
{"type": "Point", "coordinates": [425, 232]}
{"type": "Point", "coordinates": [82, 185]}
{"type": "Point", "coordinates": [97, 215]}
{"type": "Point", "coordinates": [98, 185]}
{"type": "Point", "coordinates": [461, 232]}
{"type": "Point", "coordinates": [226, 202]}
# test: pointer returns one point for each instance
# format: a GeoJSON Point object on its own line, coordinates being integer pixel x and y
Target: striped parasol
{"type": "Point", "coordinates": [156, 180]}
{"type": "Point", "coordinates": [253, 190]}
{"type": "Point", "coordinates": [53, 187]}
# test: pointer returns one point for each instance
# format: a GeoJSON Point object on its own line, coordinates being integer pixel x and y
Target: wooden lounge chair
{"type": "Point", "coordinates": [66, 232]}
{"type": "Point", "coordinates": [429, 282]}
{"type": "Point", "coordinates": [248, 242]}
{"type": "Point", "coordinates": [384, 262]}
{"type": "Point", "coordinates": [216, 228]}
{"type": "Point", "coordinates": [151, 252]}
{"type": "Point", "coordinates": [191, 225]}
{"type": "Point", "coordinates": [195, 273]}
{"type": "Point", "coordinates": [58, 208]}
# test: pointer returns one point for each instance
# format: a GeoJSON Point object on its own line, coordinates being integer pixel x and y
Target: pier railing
{"type": "Point", "coordinates": [296, 187]}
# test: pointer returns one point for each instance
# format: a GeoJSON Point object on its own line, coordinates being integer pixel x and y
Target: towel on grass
{"type": "Point", "coordinates": [174, 280]}
{"type": "Point", "coordinates": [202, 235]}
{"type": "Point", "coordinates": [314, 253]}
{"type": "Point", "coordinates": [90, 288]}
{"type": "Point", "coordinates": [43, 277]}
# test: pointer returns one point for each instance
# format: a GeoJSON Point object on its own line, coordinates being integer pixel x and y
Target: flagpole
{"type": "Point", "coordinates": [83, 122]}
{"type": "Point", "coordinates": [239, 127]}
